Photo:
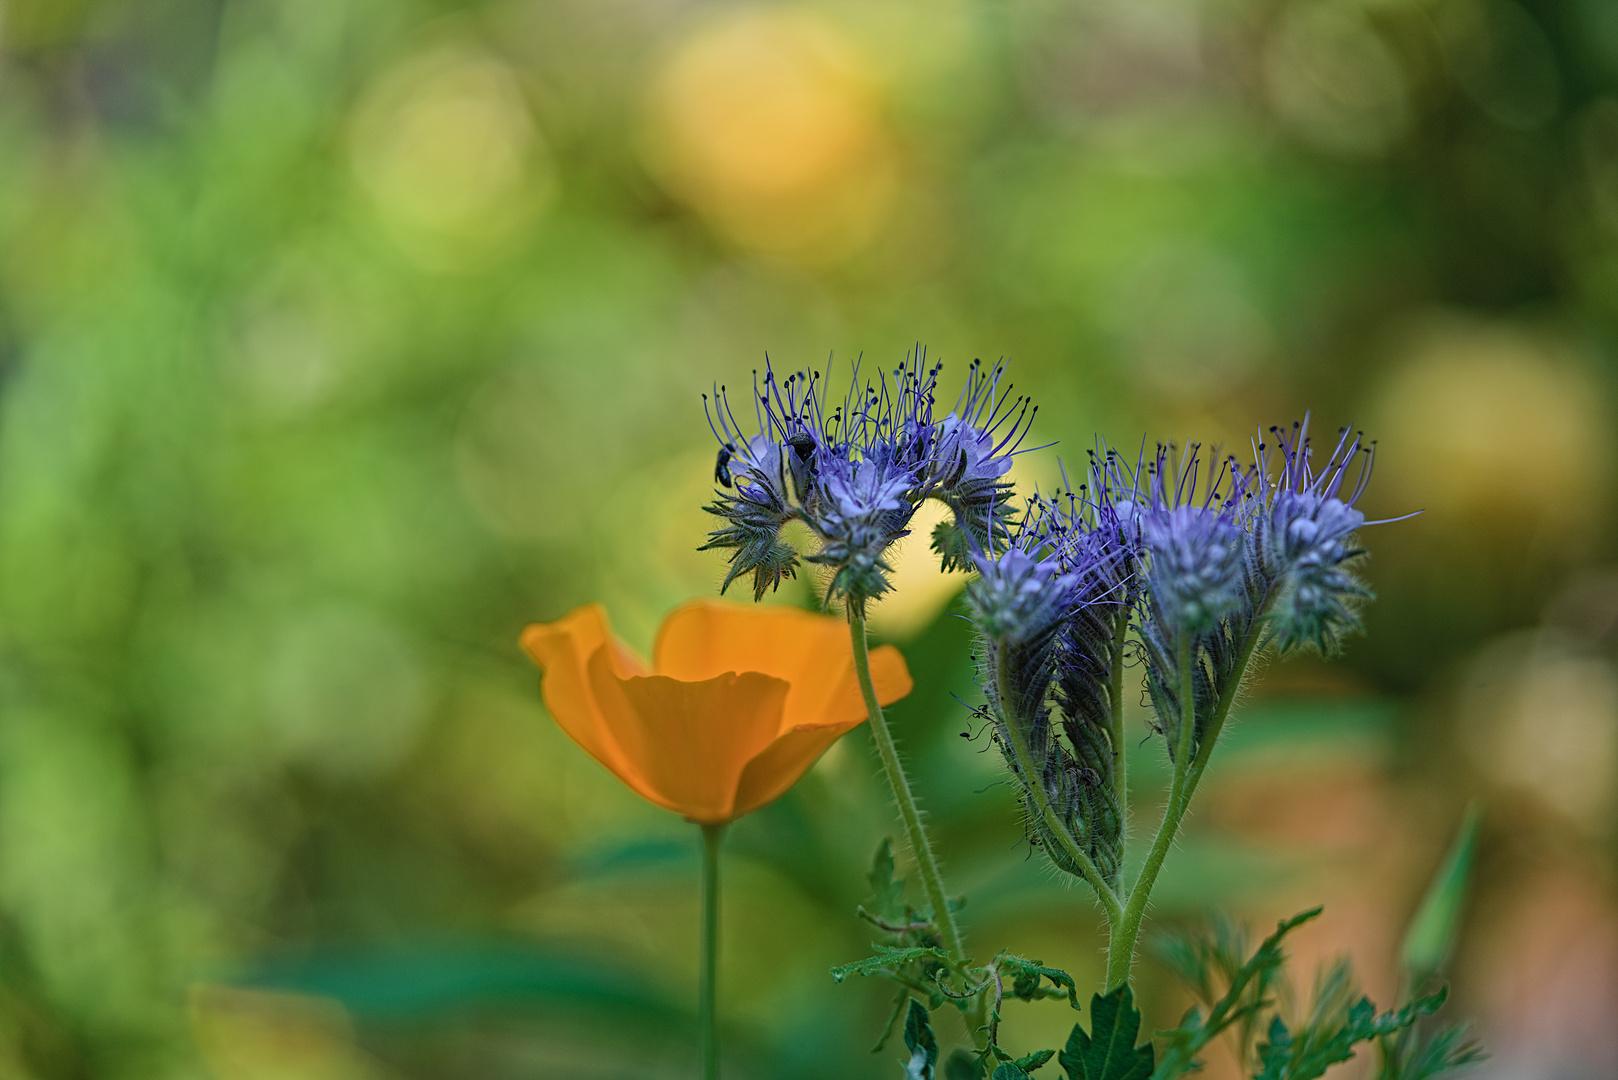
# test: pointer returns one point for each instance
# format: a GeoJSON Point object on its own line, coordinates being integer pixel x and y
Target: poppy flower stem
{"type": "Point", "coordinates": [932, 882]}
{"type": "Point", "coordinates": [706, 1022]}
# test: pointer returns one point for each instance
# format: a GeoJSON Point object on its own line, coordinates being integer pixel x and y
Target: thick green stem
{"type": "Point", "coordinates": [1034, 781]}
{"type": "Point", "coordinates": [1188, 770]}
{"type": "Point", "coordinates": [707, 1022]}
{"type": "Point", "coordinates": [932, 882]}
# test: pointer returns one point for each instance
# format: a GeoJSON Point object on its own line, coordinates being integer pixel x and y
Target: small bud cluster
{"type": "Point", "coordinates": [855, 473]}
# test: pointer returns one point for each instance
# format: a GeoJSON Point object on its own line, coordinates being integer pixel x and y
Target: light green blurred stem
{"type": "Point", "coordinates": [932, 881]}
{"type": "Point", "coordinates": [707, 1022]}
{"type": "Point", "coordinates": [1188, 772]}
{"type": "Point", "coordinates": [1033, 780]}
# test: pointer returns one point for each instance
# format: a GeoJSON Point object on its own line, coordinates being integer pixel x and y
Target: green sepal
{"type": "Point", "coordinates": [953, 546]}
{"type": "Point", "coordinates": [920, 1042]}
{"type": "Point", "coordinates": [1108, 1051]}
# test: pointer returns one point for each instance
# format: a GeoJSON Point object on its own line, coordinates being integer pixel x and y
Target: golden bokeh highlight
{"type": "Point", "coordinates": [1542, 718]}
{"type": "Point", "coordinates": [1496, 429]}
{"type": "Point", "coordinates": [769, 124]}
{"type": "Point", "coordinates": [921, 591]}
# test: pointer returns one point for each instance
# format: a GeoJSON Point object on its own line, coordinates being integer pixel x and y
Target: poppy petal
{"type": "Point", "coordinates": [705, 638]}
{"type": "Point", "coordinates": [813, 652]}
{"type": "Point", "coordinates": [783, 763]}
{"type": "Point", "coordinates": [689, 741]}
{"type": "Point", "coordinates": [562, 649]}
{"type": "Point", "coordinates": [835, 698]}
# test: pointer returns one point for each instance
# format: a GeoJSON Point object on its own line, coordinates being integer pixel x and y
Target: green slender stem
{"type": "Point", "coordinates": [1188, 772]}
{"type": "Point", "coordinates": [1125, 930]}
{"type": "Point", "coordinates": [707, 1023]}
{"type": "Point", "coordinates": [932, 882]}
{"type": "Point", "coordinates": [1036, 788]}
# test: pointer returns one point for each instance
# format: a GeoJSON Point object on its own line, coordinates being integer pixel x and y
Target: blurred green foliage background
{"type": "Point", "coordinates": [340, 338]}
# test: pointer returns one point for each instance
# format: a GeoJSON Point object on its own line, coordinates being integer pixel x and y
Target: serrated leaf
{"type": "Point", "coordinates": [885, 959]}
{"type": "Point", "coordinates": [1241, 1001]}
{"type": "Point", "coordinates": [963, 1066]}
{"type": "Point", "coordinates": [920, 1042]}
{"type": "Point", "coordinates": [1431, 936]}
{"type": "Point", "coordinates": [1425, 1056]}
{"type": "Point", "coordinates": [1033, 1061]}
{"type": "Point", "coordinates": [886, 893]}
{"type": "Point", "coordinates": [1108, 1050]}
{"type": "Point", "coordinates": [1009, 1071]}
{"type": "Point", "coordinates": [1307, 1054]}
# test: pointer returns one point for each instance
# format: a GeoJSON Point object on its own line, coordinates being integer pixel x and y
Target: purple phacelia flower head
{"type": "Point", "coordinates": [1021, 597]}
{"type": "Point", "coordinates": [1302, 537]}
{"type": "Point", "coordinates": [971, 452]}
{"type": "Point", "coordinates": [1196, 565]}
{"type": "Point", "coordinates": [852, 473]}
{"type": "Point", "coordinates": [1179, 523]}
{"type": "Point", "coordinates": [766, 479]}
{"type": "Point", "coordinates": [855, 471]}
{"type": "Point", "coordinates": [863, 508]}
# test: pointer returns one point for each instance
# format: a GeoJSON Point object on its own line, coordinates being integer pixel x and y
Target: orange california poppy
{"type": "Point", "coordinates": [738, 702]}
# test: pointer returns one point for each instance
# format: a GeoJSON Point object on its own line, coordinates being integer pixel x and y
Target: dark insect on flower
{"type": "Point", "coordinates": [721, 469]}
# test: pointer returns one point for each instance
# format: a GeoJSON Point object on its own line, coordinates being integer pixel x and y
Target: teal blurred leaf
{"type": "Point", "coordinates": [432, 981]}
{"type": "Point", "coordinates": [1108, 1050]}
{"type": "Point", "coordinates": [887, 894]}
